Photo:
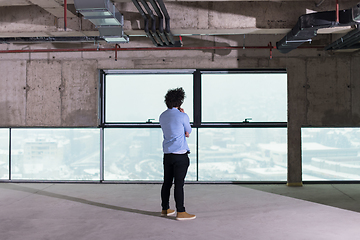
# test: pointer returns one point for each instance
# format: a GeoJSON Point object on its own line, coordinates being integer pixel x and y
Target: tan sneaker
{"type": "Point", "coordinates": [184, 216]}
{"type": "Point", "coordinates": [168, 212]}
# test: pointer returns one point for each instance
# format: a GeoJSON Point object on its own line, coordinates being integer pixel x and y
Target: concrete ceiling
{"type": "Point", "coordinates": [43, 18]}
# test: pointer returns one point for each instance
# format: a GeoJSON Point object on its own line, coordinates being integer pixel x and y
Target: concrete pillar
{"type": "Point", "coordinates": [297, 104]}
{"type": "Point", "coordinates": [355, 90]}
{"type": "Point", "coordinates": [328, 94]}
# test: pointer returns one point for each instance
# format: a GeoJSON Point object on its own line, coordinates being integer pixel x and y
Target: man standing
{"type": "Point", "coordinates": [175, 125]}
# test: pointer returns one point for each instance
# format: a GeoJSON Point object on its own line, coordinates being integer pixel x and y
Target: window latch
{"type": "Point", "coordinates": [150, 120]}
{"type": "Point", "coordinates": [247, 120]}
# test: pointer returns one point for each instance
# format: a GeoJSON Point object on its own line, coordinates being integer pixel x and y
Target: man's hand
{"type": "Point", "coordinates": [187, 134]}
{"type": "Point", "coordinates": [181, 110]}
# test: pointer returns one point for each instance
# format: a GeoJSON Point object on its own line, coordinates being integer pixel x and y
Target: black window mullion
{"type": "Point", "coordinates": [9, 153]}
{"type": "Point", "coordinates": [102, 98]}
{"type": "Point", "coordinates": [197, 98]}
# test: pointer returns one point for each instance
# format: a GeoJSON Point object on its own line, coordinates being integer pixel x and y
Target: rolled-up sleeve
{"type": "Point", "coordinates": [187, 126]}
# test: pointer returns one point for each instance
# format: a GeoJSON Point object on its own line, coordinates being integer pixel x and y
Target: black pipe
{"type": "Point", "coordinates": [169, 36]}
{"type": "Point", "coordinates": [146, 22]}
{"type": "Point", "coordinates": [167, 21]}
{"type": "Point", "coordinates": [160, 23]}
{"type": "Point", "coordinates": [346, 41]}
{"type": "Point", "coordinates": [153, 23]}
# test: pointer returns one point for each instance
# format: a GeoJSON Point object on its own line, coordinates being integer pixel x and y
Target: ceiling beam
{"type": "Point", "coordinates": [53, 7]}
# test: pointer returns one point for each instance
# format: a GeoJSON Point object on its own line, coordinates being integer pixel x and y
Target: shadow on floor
{"type": "Point", "coordinates": [79, 200]}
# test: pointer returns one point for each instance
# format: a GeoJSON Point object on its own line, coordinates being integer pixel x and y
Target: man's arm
{"type": "Point", "coordinates": [186, 124]}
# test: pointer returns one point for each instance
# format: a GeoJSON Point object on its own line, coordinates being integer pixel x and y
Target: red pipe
{"type": "Point", "coordinates": [337, 12]}
{"type": "Point", "coordinates": [65, 14]}
{"type": "Point", "coordinates": [116, 47]}
{"type": "Point", "coordinates": [270, 46]}
{"type": "Point", "coordinates": [142, 49]}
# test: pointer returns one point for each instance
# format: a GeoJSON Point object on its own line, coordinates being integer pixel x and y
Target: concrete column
{"type": "Point", "coordinates": [328, 93]}
{"type": "Point", "coordinates": [355, 91]}
{"type": "Point", "coordinates": [297, 85]}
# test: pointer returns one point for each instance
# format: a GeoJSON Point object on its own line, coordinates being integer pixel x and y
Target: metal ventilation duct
{"type": "Point", "coordinates": [307, 26]}
{"type": "Point", "coordinates": [104, 15]}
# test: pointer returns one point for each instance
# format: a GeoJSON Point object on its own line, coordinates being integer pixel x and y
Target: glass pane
{"type": "Point", "coordinates": [234, 97]}
{"type": "Point", "coordinates": [243, 154]}
{"type": "Point", "coordinates": [137, 98]}
{"type": "Point", "coordinates": [55, 154]}
{"type": "Point", "coordinates": [330, 153]}
{"type": "Point", "coordinates": [4, 153]}
{"type": "Point", "coordinates": [136, 154]}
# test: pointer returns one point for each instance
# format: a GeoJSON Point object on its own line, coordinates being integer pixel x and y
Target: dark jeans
{"type": "Point", "coordinates": [175, 168]}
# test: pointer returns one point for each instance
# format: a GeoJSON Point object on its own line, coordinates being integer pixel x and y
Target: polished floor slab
{"type": "Point", "coordinates": [132, 211]}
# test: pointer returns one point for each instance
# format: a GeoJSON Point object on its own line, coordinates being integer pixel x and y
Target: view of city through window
{"type": "Point", "coordinates": [330, 153]}
{"type": "Point", "coordinates": [136, 154]}
{"type": "Point", "coordinates": [55, 154]}
{"type": "Point", "coordinates": [243, 154]}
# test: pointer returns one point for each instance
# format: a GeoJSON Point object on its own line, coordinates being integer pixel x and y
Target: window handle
{"type": "Point", "coordinates": [150, 120]}
{"type": "Point", "coordinates": [247, 120]}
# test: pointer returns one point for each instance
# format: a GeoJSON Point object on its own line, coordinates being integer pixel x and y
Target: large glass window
{"type": "Point", "coordinates": [4, 153]}
{"type": "Point", "coordinates": [234, 97]}
{"type": "Point", "coordinates": [243, 154]}
{"type": "Point", "coordinates": [136, 154]}
{"type": "Point", "coordinates": [136, 98]}
{"type": "Point", "coordinates": [330, 154]}
{"type": "Point", "coordinates": [55, 154]}
{"type": "Point", "coordinates": [218, 102]}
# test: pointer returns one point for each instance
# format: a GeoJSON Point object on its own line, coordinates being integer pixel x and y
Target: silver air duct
{"type": "Point", "coordinates": [104, 15]}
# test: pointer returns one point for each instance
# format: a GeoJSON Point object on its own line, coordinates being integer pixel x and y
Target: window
{"type": "Point", "coordinates": [55, 154]}
{"type": "Point", "coordinates": [136, 154]}
{"type": "Point", "coordinates": [237, 96]}
{"type": "Point", "coordinates": [138, 98]}
{"type": "Point", "coordinates": [243, 154]}
{"type": "Point", "coordinates": [224, 147]}
{"type": "Point", "coordinates": [330, 154]}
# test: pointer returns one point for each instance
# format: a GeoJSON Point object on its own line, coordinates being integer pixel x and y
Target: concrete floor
{"type": "Point", "coordinates": [132, 211]}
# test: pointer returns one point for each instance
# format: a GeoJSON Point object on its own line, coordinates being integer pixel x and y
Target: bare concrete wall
{"type": "Point", "coordinates": [12, 93]}
{"type": "Point", "coordinates": [49, 93]}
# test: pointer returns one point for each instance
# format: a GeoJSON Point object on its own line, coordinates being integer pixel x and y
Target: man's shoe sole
{"type": "Point", "coordinates": [169, 214]}
{"type": "Point", "coordinates": [182, 219]}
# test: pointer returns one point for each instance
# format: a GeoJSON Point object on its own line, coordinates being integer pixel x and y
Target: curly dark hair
{"type": "Point", "coordinates": [174, 97]}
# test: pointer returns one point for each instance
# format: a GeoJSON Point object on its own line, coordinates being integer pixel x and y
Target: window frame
{"type": "Point", "coordinates": [103, 73]}
{"type": "Point", "coordinates": [197, 98]}
{"type": "Point", "coordinates": [197, 109]}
